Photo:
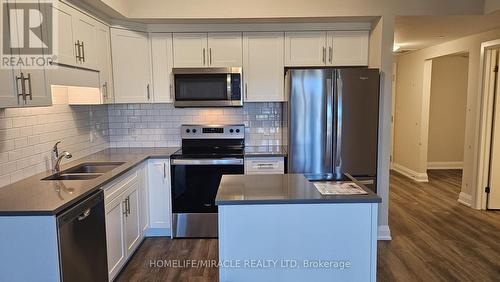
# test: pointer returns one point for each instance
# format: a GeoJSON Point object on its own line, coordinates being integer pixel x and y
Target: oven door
{"type": "Point", "coordinates": [194, 188]}
{"type": "Point", "coordinates": [207, 87]}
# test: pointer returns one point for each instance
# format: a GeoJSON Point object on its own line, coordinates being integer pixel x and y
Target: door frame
{"type": "Point", "coordinates": [486, 119]}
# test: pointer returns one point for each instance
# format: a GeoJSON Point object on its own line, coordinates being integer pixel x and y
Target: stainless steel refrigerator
{"type": "Point", "coordinates": [333, 123]}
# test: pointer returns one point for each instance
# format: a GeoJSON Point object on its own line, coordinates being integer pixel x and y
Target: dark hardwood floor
{"type": "Point", "coordinates": [434, 239]}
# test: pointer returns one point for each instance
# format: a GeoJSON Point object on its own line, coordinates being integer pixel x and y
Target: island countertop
{"type": "Point", "coordinates": [280, 189]}
{"type": "Point", "coordinates": [33, 196]}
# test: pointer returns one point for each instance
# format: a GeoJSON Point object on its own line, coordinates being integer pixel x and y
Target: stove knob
{"type": "Point", "coordinates": [194, 130]}
{"type": "Point", "coordinates": [231, 130]}
{"type": "Point", "coordinates": [237, 131]}
{"type": "Point", "coordinates": [187, 130]}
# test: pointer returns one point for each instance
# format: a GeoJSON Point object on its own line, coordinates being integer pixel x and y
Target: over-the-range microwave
{"type": "Point", "coordinates": [207, 87]}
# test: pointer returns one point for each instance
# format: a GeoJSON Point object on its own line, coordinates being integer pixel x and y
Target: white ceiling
{"type": "Point", "coordinates": [417, 32]}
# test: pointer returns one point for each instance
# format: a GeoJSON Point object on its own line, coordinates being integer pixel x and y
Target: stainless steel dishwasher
{"type": "Point", "coordinates": [82, 241]}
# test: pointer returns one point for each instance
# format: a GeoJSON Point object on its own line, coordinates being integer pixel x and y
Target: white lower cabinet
{"type": "Point", "coordinates": [160, 214]}
{"type": "Point", "coordinates": [124, 207]}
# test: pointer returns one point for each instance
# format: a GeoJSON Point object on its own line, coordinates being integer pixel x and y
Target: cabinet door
{"type": "Point", "coordinates": [190, 50]}
{"type": "Point", "coordinates": [38, 85]}
{"type": "Point", "coordinates": [224, 49]}
{"type": "Point", "coordinates": [143, 199]}
{"type": "Point", "coordinates": [159, 194]}
{"type": "Point", "coordinates": [132, 229]}
{"type": "Point", "coordinates": [104, 53]}
{"type": "Point", "coordinates": [131, 66]}
{"type": "Point", "coordinates": [263, 65]}
{"type": "Point", "coordinates": [348, 48]}
{"type": "Point", "coordinates": [162, 62]}
{"type": "Point", "coordinates": [8, 95]}
{"type": "Point", "coordinates": [305, 48]}
{"type": "Point", "coordinates": [66, 52]}
{"type": "Point", "coordinates": [115, 239]}
{"type": "Point", "coordinates": [86, 33]}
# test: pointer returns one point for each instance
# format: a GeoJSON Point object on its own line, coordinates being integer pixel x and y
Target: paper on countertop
{"type": "Point", "coordinates": [337, 188]}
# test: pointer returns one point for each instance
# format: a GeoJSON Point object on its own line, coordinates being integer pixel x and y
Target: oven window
{"type": "Point", "coordinates": [203, 87]}
{"type": "Point", "coordinates": [194, 187]}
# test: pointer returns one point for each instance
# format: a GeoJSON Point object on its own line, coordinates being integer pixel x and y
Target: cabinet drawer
{"type": "Point", "coordinates": [117, 186]}
{"type": "Point", "coordinates": [273, 165]}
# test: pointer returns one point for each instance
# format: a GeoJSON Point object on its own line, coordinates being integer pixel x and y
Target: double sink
{"type": "Point", "coordinates": [84, 171]}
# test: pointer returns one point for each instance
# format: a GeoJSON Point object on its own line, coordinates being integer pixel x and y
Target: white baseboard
{"type": "Point", "coordinates": [445, 165]}
{"type": "Point", "coordinates": [465, 199]}
{"type": "Point", "coordinates": [416, 176]}
{"type": "Point", "coordinates": [383, 233]}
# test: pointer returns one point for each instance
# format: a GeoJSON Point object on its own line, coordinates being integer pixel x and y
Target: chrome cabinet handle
{"type": "Point", "coordinates": [128, 204]}
{"type": "Point", "coordinates": [77, 49]}
{"type": "Point", "coordinates": [125, 211]}
{"type": "Point", "coordinates": [171, 91]}
{"type": "Point", "coordinates": [330, 54]}
{"type": "Point", "coordinates": [203, 56]}
{"type": "Point", "coordinates": [164, 171]}
{"type": "Point", "coordinates": [83, 52]}
{"type": "Point", "coordinates": [210, 56]}
{"type": "Point", "coordinates": [23, 87]}
{"type": "Point", "coordinates": [147, 92]}
{"type": "Point", "coordinates": [324, 54]}
{"type": "Point", "coordinates": [29, 87]}
{"type": "Point", "coordinates": [246, 90]}
{"type": "Point", "coordinates": [84, 215]}
{"type": "Point", "coordinates": [105, 90]}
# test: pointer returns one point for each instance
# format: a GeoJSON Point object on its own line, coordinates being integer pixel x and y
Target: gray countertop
{"type": "Point", "coordinates": [265, 151]}
{"type": "Point", "coordinates": [280, 189]}
{"type": "Point", "coordinates": [33, 196]}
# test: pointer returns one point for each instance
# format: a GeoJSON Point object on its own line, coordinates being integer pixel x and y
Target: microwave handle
{"type": "Point", "coordinates": [229, 84]}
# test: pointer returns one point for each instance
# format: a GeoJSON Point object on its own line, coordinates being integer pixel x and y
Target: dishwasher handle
{"type": "Point", "coordinates": [81, 210]}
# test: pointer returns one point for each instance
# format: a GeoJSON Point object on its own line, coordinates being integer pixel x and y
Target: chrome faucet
{"type": "Point", "coordinates": [56, 158]}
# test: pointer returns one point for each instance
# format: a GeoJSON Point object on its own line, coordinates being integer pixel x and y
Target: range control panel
{"type": "Point", "coordinates": [230, 131]}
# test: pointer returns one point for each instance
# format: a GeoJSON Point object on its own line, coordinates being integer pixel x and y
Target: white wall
{"type": "Point", "coordinates": [409, 104]}
{"type": "Point", "coordinates": [27, 135]}
{"type": "Point", "coordinates": [447, 111]}
{"type": "Point", "coordinates": [226, 9]}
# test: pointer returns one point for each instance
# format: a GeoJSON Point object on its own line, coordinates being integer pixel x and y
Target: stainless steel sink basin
{"type": "Point", "coordinates": [93, 167]}
{"type": "Point", "coordinates": [78, 176]}
{"type": "Point", "coordinates": [84, 171]}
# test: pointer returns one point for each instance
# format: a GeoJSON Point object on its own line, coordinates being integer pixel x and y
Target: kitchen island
{"type": "Point", "coordinates": [280, 228]}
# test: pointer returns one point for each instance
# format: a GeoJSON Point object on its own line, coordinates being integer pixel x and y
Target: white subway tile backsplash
{"type": "Point", "coordinates": [158, 125]}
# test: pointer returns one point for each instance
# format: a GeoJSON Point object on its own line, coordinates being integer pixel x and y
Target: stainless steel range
{"type": "Point", "coordinates": [208, 152]}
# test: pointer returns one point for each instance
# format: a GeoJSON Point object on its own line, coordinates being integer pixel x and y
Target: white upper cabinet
{"type": "Point", "coordinates": [332, 48]}
{"type": "Point", "coordinates": [8, 97]}
{"type": "Point", "coordinates": [224, 50]}
{"type": "Point", "coordinates": [85, 34]}
{"type": "Point", "coordinates": [348, 48]}
{"type": "Point", "coordinates": [104, 61]}
{"type": "Point", "coordinates": [190, 50]}
{"type": "Point", "coordinates": [162, 63]}
{"type": "Point", "coordinates": [207, 50]}
{"type": "Point", "coordinates": [263, 67]}
{"type": "Point", "coordinates": [305, 48]}
{"type": "Point", "coordinates": [131, 66]}
{"type": "Point", "coordinates": [77, 38]}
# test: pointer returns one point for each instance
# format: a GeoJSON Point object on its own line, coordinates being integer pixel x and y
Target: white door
{"type": "Point", "coordinates": [263, 66]}
{"type": "Point", "coordinates": [190, 50]}
{"type": "Point", "coordinates": [494, 195]}
{"type": "Point", "coordinates": [305, 48]}
{"type": "Point", "coordinates": [159, 194]}
{"type": "Point", "coordinates": [132, 228]}
{"type": "Point", "coordinates": [66, 48]}
{"type": "Point", "coordinates": [115, 239]}
{"type": "Point", "coordinates": [162, 63]}
{"type": "Point", "coordinates": [131, 66]}
{"type": "Point", "coordinates": [85, 31]}
{"type": "Point", "coordinates": [348, 48]}
{"type": "Point", "coordinates": [104, 60]}
{"type": "Point", "coordinates": [225, 50]}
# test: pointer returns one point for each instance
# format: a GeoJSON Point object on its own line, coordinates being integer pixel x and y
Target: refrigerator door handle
{"type": "Point", "coordinates": [338, 142]}
{"type": "Point", "coordinates": [329, 124]}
